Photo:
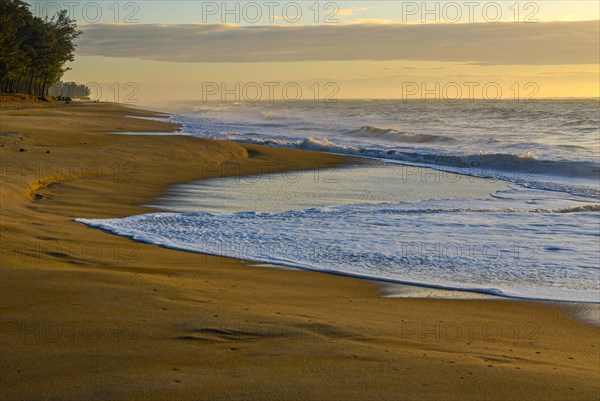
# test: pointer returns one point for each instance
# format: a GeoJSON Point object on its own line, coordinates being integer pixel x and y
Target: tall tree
{"type": "Point", "coordinates": [14, 18]}
{"type": "Point", "coordinates": [34, 50]}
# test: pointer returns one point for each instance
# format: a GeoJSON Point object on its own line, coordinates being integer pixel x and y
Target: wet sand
{"type": "Point", "coordinates": [89, 315]}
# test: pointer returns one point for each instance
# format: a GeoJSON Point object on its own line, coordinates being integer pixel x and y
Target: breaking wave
{"type": "Point", "coordinates": [399, 136]}
{"type": "Point", "coordinates": [525, 168]}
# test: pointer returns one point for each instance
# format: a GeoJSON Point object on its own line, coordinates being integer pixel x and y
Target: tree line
{"type": "Point", "coordinates": [33, 50]}
{"type": "Point", "coordinates": [69, 90]}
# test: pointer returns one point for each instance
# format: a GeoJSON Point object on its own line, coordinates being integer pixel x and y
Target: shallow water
{"type": "Point", "coordinates": [372, 182]}
{"type": "Point", "coordinates": [378, 221]}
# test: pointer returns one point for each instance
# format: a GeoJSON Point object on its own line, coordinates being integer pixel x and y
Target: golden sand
{"type": "Point", "coordinates": [90, 315]}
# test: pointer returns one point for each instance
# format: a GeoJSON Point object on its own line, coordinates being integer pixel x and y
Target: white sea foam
{"type": "Point", "coordinates": [508, 253]}
{"type": "Point", "coordinates": [537, 238]}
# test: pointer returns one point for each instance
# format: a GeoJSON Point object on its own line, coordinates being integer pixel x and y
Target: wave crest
{"type": "Point", "coordinates": [391, 134]}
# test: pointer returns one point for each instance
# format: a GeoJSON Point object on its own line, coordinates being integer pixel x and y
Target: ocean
{"type": "Point", "coordinates": [498, 197]}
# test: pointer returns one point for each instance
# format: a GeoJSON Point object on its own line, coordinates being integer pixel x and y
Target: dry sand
{"type": "Point", "coordinates": [89, 315]}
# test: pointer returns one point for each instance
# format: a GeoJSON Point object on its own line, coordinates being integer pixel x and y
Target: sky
{"type": "Point", "coordinates": [143, 51]}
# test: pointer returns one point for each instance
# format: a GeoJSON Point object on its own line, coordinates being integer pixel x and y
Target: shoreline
{"type": "Point", "coordinates": [335, 312]}
{"type": "Point", "coordinates": [408, 288]}
{"type": "Point", "coordinates": [585, 312]}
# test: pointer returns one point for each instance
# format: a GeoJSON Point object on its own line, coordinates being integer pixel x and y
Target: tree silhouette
{"type": "Point", "coordinates": [33, 50]}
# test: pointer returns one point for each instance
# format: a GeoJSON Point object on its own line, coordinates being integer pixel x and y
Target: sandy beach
{"type": "Point", "coordinates": [90, 315]}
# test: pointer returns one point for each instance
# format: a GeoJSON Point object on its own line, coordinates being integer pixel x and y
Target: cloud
{"type": "Point", "coordinates": [413, 68]}
{"type": "Point", "coordinates": [368, 21]}
{"type": "Point", "coordinates": [592, 74]}
{"type": "Point", "coordinates": [482, 44]}
{"type": "Point", "coordinates": [349, 11]}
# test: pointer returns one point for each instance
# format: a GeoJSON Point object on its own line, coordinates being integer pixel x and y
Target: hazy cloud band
{"type": "Point", "coordinates": [576, 42]}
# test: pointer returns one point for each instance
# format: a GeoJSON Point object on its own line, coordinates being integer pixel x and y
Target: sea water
{"type": "Point", "coordinates": [513, 209]}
